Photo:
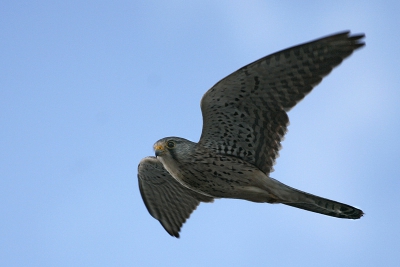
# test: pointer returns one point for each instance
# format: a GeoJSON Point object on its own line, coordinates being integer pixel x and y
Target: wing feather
{"type": "Point", "coordinates": [166, 199]}
{"type": "Point", "coordinates": [244, 114]}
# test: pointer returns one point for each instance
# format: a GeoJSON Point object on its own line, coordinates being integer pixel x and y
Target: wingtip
{"type": "Point", "coordinates": [173, 234]}
{"type": "Point", "coordinates": [172, 231]}
{"type": "Point", "coordinates": [357, 39]}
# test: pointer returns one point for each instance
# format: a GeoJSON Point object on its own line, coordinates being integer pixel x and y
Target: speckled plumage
{"type": "Point", "coordinates": [244, 121]}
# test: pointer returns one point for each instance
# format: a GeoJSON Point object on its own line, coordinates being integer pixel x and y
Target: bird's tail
{"type": "Point", "coordinates": [302, 200]}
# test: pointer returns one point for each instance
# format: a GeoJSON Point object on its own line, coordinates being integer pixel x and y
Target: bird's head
{"type": "Point", "coordinates": [172, 147]}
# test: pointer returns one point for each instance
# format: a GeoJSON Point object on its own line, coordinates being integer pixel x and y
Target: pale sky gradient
{"type": "Point", "coordinates": [87, 87]}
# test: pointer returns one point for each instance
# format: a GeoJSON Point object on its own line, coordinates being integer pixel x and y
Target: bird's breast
{"type": "Point", "coordinates": [185, 173]}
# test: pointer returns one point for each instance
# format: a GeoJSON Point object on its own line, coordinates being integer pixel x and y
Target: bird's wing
{"type": "Point", "coordinates": [165, 198]}
{"type": "Point", "coordinates": [244, 114]}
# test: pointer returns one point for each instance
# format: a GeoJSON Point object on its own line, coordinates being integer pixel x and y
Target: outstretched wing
{"type": "Point", "coordinates": [165, 198]}
{"type": "Point", "coordinates": [244, 114]}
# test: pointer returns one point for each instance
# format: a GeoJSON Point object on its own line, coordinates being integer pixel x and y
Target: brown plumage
{"type": "Point", "coordinates": [244, 121]}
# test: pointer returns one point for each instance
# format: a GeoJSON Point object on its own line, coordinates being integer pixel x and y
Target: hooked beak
{"type": "Point", "coordinates": [159, 150]}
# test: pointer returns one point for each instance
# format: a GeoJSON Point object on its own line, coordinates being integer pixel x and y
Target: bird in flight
{"type": "Point", "coordinates": [244, 121]}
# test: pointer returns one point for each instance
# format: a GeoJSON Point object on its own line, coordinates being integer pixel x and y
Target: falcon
{"type": "Point", "coordinates": [244, 121]}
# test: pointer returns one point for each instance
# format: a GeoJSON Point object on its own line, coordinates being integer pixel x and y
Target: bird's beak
{"type": "Point", "coordinates": [159, 150]}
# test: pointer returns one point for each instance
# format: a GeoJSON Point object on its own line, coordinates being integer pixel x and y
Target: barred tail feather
{"type": "Point", "coordinates": [330, 208]}
{"type": "Point", "coordinates": [293, 197]}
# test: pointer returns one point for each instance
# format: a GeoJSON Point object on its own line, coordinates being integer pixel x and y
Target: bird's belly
{"type": "Point", "coordinates": [225, 177]}
{"type": "Point", "coordinates": [183, 176]}
{"type": "Point", "coordinates": [221, 177]}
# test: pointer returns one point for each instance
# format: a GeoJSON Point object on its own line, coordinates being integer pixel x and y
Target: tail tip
{"type": "Point", "coordinates": [352, 213]}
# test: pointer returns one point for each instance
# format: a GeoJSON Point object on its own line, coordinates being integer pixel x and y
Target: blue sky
{"type": "Point", "coordinates": [87, 87]}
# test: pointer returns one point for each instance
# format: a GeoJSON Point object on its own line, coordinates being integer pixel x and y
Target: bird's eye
{"type": "Point", "coordinates": [170, 144]}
